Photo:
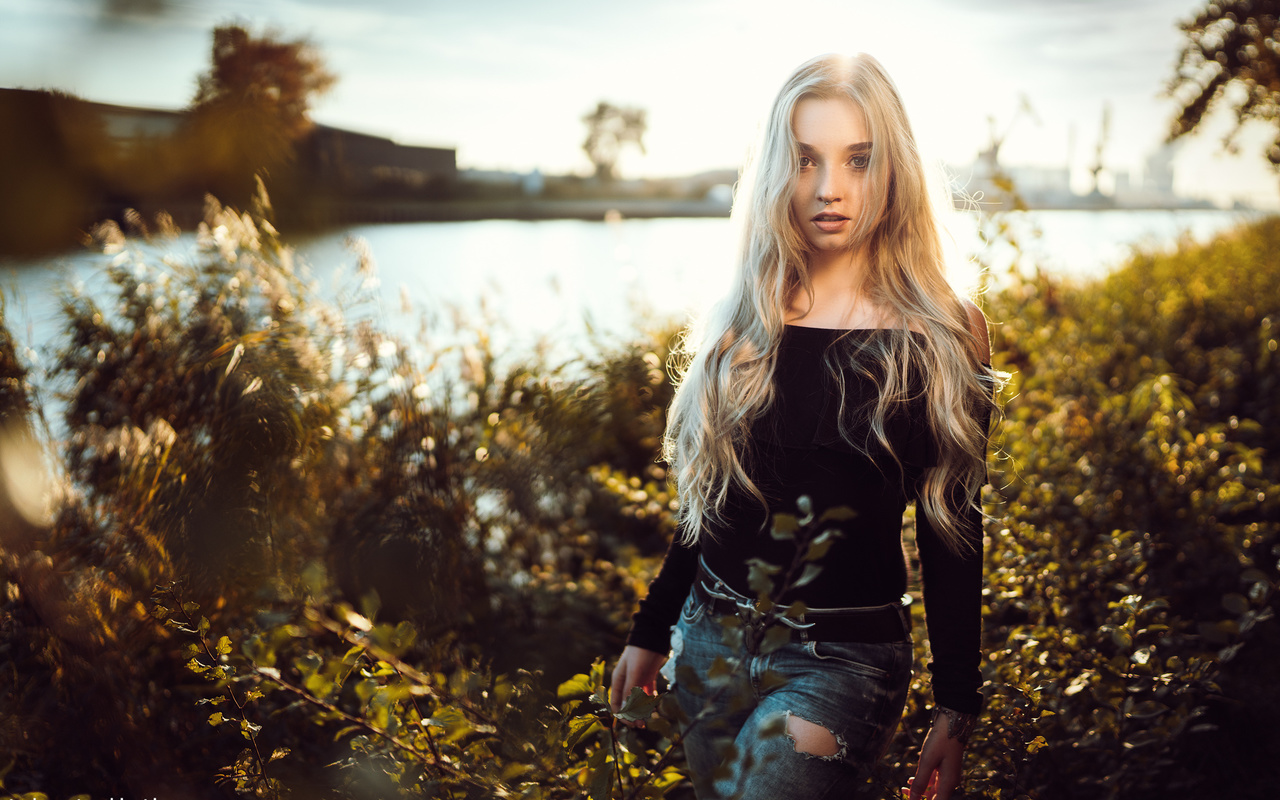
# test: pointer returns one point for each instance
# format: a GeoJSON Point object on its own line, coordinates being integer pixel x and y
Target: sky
{"type": "Point", "coordinates": [506, 82]}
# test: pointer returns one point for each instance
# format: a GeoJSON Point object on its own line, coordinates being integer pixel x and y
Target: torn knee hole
{"type": "Point", "coordinates": [812, 739]}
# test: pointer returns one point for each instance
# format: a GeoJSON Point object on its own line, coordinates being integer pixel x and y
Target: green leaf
{"type": "Point", "coordinates": [1142, 739]}
{"type": "Point", "coordinates": [720, 668]}
{"type": "Point", "coordinates": [796, 610]}
{"type": "Point", "coordinates": [215, 719]}
{"type": "Point", "coordinates": [1147, 709]}
{"type": "Point", "coordinates": [638, 706]}
{"type": "Point", "coordinates": [456, 726]}
{"type": "Point", "coordinates": [365, 689]}
{"type": "Point", "coordinates": [731, 631]}
{"type": "Point", "coordinates": [774, 638]}
{"type": "Point", "coordinates": [1235, 603]}
{"type": "Point", "coordinates": [600, 693]}
{"type": "Point", "coordinates": [661, 726]}
{"type": "Point", "coordinates": [688, 678]}
{"type": "Point", "coordinates": [1036, 744]}
{"type": "Point", "coordinates": [818, 548]}
{"type": "Point", "coordinates": [224, 646]}
{"type": "Point", "coordinates": [308, 664]}
{"type": "Point", "coordinates": [784, 527]}
{"type": "Point", "coordinates": [600, 784]}
{"type": "Point", "coordinates": [774, 728]}
{"type": "Point", "coordinates": [772, 679]}
{"type": "Point", "coordinates": [760, 576]}
{"type": "Point", "coordinates": [577, 686]}
{"type": "Point", "coordinates": [1254, 575]}
{"type": "Point", "coordinates": [1216, 633]}
{"type": "Point", "coordinates": [837, 514]}
{"type": "Point", "coordinates": [1078, 684]}
{"type": "Point", "coordinates": [319, 685]}
{"type": "Point", "coordinates": [580, 728]}
{"type": "Point", "coordinates": [810, 572]}
{"type": "Point", "coordinates": [1155, 605]}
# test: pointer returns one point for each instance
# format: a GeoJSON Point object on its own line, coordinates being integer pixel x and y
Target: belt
{"type": "Point", "coordinates": [869, 625]}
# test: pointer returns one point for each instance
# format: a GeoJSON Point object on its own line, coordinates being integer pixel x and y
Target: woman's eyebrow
{"type": "Point", "coordinates": [860, 147]}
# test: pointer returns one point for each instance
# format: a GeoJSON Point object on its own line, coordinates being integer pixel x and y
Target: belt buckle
{"type": "Point", "coordinates": [753, 628]}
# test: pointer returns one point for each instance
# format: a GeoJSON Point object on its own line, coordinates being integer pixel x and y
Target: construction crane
{"type": "Point", "coordinates": [1103, 135]}
{"type": "Point", "coordinates": [991, 156]}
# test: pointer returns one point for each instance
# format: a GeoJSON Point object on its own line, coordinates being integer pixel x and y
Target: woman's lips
{"type": "Point", "coordinates": [829, 223]}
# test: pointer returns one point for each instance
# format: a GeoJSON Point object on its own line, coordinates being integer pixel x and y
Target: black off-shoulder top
{"type": "Point", "coordinates": [798, 448]}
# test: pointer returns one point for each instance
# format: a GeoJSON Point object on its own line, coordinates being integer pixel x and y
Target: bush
{"type": "Point", "coordinates": [296, 556]}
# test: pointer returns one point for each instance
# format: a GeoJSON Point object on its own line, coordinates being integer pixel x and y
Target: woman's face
{"type": "Point", "coordinates": [835, 150]}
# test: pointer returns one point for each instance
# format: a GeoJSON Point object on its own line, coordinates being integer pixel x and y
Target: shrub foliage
{"type": "Point", "coordinates": [293, 555]}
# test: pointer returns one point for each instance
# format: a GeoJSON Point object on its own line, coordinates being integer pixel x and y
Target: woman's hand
{"type": "Point", "coordinates": [938, 774]}
{"type": "Point", "coordinates": [636, 667]}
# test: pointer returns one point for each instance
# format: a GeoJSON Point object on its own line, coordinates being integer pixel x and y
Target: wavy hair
{"type": "Point", "coordinates": [728, 369]}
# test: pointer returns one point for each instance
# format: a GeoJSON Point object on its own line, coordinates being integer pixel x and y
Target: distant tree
{"type": "Point", "coordinates": [1231, 57]}
{"type": "Point", "coordinates": [251, 107]}
{"type": "Point", "coordinates": [609, 128]}
{"type": "Point", "coordinates": [264, 72]}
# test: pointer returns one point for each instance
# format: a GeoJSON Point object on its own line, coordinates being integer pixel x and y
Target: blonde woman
{"type": "Point", "coordinates": [841, 368]}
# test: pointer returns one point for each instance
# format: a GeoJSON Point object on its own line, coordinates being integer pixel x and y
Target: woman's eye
{"type": "Point", "coordinates": [805, 161]}
{"type": "Point", "coordinates": [860, 162]}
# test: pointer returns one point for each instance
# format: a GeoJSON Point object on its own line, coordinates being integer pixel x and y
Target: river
{"type": "Point", "coordinates": [552, 279]}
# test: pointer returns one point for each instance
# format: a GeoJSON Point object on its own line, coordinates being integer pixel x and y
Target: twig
{"type": "Point", "coordinates": [360, 723]}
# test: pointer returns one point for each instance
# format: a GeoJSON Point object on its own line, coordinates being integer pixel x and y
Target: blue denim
{"type": "Point", "coordinates": [856, 691]}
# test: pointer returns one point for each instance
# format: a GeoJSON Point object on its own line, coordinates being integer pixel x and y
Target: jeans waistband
{"type": "Point", "coordinates": [869, 624]}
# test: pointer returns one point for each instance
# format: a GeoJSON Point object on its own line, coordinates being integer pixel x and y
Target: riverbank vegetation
{"type": "Point", "coordinates": [287, 554]}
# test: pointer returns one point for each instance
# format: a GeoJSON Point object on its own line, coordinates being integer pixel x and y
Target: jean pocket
{"type": "Point", "coordinates": [694, 608]}
{"type": "Point", "coordinates": [872, 660]}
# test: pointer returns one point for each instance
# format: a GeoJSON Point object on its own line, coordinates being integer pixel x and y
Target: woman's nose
{"type": "Point", "coordinates": [830, 187]}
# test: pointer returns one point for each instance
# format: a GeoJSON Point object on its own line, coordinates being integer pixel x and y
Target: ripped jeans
{"type": "Point", "coordinates": [741, 745]}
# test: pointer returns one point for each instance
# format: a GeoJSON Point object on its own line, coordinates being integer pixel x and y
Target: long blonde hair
{"type": "Point", "coordinates": [728, 380]}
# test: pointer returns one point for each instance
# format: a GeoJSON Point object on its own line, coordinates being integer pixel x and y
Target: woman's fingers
{"type": "Point", "coordinates": [924, 786]}
{"type": "Point", "coordinates": [636, 667]}
{"type": "Point", "coordinates": [619, 688]}
{"type": "Point", "coordinates": [939, 771]}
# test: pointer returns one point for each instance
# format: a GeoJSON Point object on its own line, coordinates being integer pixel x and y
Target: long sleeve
{"type": "Point", "coordinates": [660, 608]}
{"type": "Point", "coordinates": [952, 584]}
{"type": "Point", "coordinates": [953, 611]}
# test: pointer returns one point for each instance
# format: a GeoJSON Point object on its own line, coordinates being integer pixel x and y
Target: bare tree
{"type": "Point", "coordinates": [609, 128]}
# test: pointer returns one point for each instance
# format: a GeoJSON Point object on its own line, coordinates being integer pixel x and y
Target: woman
{"type": "Point", "coordinates": [842, 369]}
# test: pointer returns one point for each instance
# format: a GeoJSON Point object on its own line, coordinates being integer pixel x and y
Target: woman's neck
{"type": "Point", "coordinates": [839, 296]}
